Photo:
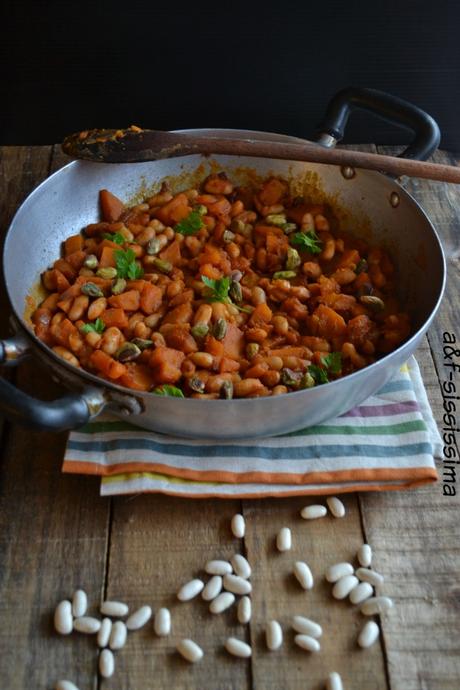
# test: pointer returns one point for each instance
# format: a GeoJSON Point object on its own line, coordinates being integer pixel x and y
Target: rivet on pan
{"type": "Point", "coordinates": [348, 172]}
{"type": "Point", "coordinates": [394, 199]}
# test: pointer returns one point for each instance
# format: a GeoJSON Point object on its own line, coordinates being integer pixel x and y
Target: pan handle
{"type": "Point", "coordinates": [386, 106]}
{"type": "Point", "coordinates": [69, 412]}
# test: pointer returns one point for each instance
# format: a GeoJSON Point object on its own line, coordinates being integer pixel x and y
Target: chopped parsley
{"type": "Point", "coordinates": [217, 289]}
{"type": "Point", "coordinates": [114, 237]}
{"type": "Point", "coordinates": [126, 265]}
{"type": "Point", "coordinates": [191, 224]}
{"type": "Point", "coordinates": [167, 390]}
{"type": "Point", "coordinates": [308, 240]}
{"type": "Point", "coordinates": [332, 364]}
{"type": "Point", "coordinates": [97, 326]}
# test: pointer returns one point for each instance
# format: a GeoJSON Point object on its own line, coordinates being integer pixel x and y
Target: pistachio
{"type": "Point", "coordinates": [107, 273]}
{"type": "Point", "coordinates": [127, 352]}
{"type": "Point", "coordinates": [284, 275]}
{"type": "Point", "coordinates": [291, 378]}
{"type": "Point", "coordinates": [364, 289]}
{"type": "Point", "coordinates": [236, 276]}
{"type": "Point", "coordinates": [251, 350]}
{"type": "Point", "coordinates": [201, 209]}
{"type": "Point", "coordinates": [235, 291]}
{"type": "Point", "coordinates": [276, 219]}
{"type": "Point", "coordinates": [196, 384]}
{"type": "Point", "coordinates": [220, 329]}
{"type": "Point", "coordinates": [373, 302]}
{"type": "Point", "coordinates": [118, 286]}
{"type": "Point", "coordinates": [242, 228]}
{"type": "Point", "coordinates": [200, 330]}
{"type": "Point", "coordinates": [163, 266]}
{"type": "Point", "coordinates": [287, 228]}
{"type": "Point", "coordinates": [153, 246]}
{"type": "Point", "coordinates": [90, 261]}
{"type": "Point", "coordinates": [142, 343]}
{"type": "Point", "coordinates": [91, 290]}
{"type": "Point", "coordinates": [226, 390]}
{"type": "Point", "coordinates": [307, 381]}
{"type": "Point", "coordinates": [228, 236]}
{"type": "Point", "coordinates": [293, 259]}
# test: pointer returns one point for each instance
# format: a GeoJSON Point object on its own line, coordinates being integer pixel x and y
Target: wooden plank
{"type": "Point", "coordinates": [53, 528]}
{"type": "Point", "coordinates": [157, 544]}
{"type": "Point", "coordinates": [416, 534]}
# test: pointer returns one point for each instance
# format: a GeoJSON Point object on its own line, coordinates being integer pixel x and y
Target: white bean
{"type": "Point", "coordinates": [241, 566]}
{"type": "Point", "coordinates": [190, 590]}
{"type": "Point", "coordinates": [63, 621]}
{"type": "Point", "coordinates": [79, 603]}
{"type": "Point", "coordinates": [190, 650]}
{"type": "Point", "coordinates": [303, 575]}
{"type": "Point", "coordinates": [237, 585]}
{"type": "Point", "coordinates": [284, 539]}
{"type": "Point", "coordinates": [343, 587]}
{"type": "Point", "coordinates": [361, 592]}
{"type": "Point", "coordinates": [374, 578]}
{"type": "Point", "coordinates": [364, 555]}
{"type": "Point", "coordinates": [334, 682]}
{"type": "Point", "coordinates": [116, 609]}
{"type": "Point", "coordinates": [162, 624]}
{"type": "Point", "coordinates": [313, 512]}
{"type": "Point", "coordinates": [237, 647]}
{"type": "Point", "coordinates": [103, 635]}
{"type": "Point", "coordinates": [139, 618]}
{"type": "Point", "coordinates": [306, 626]}
{"type": "Point", "coordinates": [273, 635]}
{"type": "Point", "coordinates": [336, 506]}
{"type": "Point", "coordinates": [118, 635]}
{"type": "Point", "coordinates": [222, 602]}
{"type": "Point", "coordinates": [338, 570]}
{"type": "Point", "coordinates": [376, 605]}
{"type": "Point", "coordinates": [368, 635]}
{"type": "Point", "coordinates": [87, 625]}
{"type": "Point", "coordinates": [244, 610]}
{"type": "Point", "coordinates": [238, 526]}
{"type": "Point", "coordinates": [65, 685]}
{"type": "Point", "coordinates": [308, 643]}
{"type": "Point", "coordinates": [218, 567]}
{"type": "Point", "coordinates": [106, 663]}
{"type": "Point", "coordinates": [212, 588]}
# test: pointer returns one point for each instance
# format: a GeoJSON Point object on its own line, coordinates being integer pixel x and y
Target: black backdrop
{"type": "Point", "coordinates": [271, 66]}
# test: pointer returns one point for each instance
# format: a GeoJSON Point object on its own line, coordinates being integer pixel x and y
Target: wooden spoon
{"type": "Point", "coordinates": [134, 145]}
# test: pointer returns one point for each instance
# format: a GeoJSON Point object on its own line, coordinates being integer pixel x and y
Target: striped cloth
{"type": "Point", "coordinates": [388, 442]}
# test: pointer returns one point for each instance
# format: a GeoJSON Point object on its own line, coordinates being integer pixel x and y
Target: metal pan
{"type": "Point", "coordinates": [369, 203]}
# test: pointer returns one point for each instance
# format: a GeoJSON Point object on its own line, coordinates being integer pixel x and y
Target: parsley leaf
{"type": "Point", "coordinates": [126, 264]}
{"type": "Point", "coordinates": [97, 327]}
{"type": "Point", "coordinates": [332, 364]}
{"type": "Point", "coordinates": [114, 237]}
{"type": "Point", "coordinates": [309, 241]}
{"type": "Point", "coordinates": [168, 390]}
{"type": "Point", "coordinates": [191, 224]}
{"type": "Point", "coordinates": [217, 289]}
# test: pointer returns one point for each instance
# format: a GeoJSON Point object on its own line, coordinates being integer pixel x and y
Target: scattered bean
{"type": "Point", "coordinates": [118, 635]}
{"type": "Point", "coordinates": [303, 575]}
{"type": "Point", "coordinates": [364, 555]}
{"type": "Point", "coordinates": [222, 602]}
{"type": "Point", "coordinates": [343, 587]}
{"type": "Point", "coordinates": [65, 685]}
{"type": "Point", "coordinates": [334, 682]}
{"type": "Point", "coordinates": [105, 630]}
{"type": "Point", "coordinates": [139, 618]}
{"type": "Point", "coordinates": [190, 590]}
{"type": "Point", "coordinates": [306, 626]}
{"type": "Point", "coordinates": [273, 635]}
{"type": "Point", "coordinates": [190, 650]}
{"type": "Point", "coordinates": [79, 603]}
{"type": "Point", "coordinates": [238, 526]}
{"type": "Point", "coordinates": [338, 570]}
{"type": "Point", "coordinates": [284, 539]}
{"type": "Point", "coordinates": [308, 643]}
{"type": "Point", "coordinates": [106, 663]}
{"type": "Point", "coordinates": [241, 566]}
{"type": "Point", "coordinates": [236, 584]}
{"type": "Point", "coordinates": [368, 635]}
{"type": "Point", "coordinates": [237, 647]}
{"type": "Point", "coordinates": [162, 624]}
{"type": "Point", "coordinates": [87, 625]}
{"type": "Point", "coordinates": [212, 588]}
{"type": "Point", "coordinates": [218, 567]}
{"type": "Point", "coordinates": [63, 621]}
{"type": "Point", "coordinates": [336, 506]}
{"type": "Point", "coordinates": [376, 605]}
{"type": "Point", "coordinates": [373, 577]}
{"type": "Point", "coordinates": [115, 609]}
{"type": "Point", "coordinates": [313, 512]}
{"type": "Point", "coordinates": [244, 610]}
{"type": "Point", "coordinates": [361, 592]}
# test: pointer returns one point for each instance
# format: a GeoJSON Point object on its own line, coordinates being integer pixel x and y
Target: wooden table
{"type": "Point", "coordinates": [58, 534]}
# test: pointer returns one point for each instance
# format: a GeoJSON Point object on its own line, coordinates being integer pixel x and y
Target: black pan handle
{"type": "Point", "coordinates": [388, 107]}
{"type": "Point", "coordinates": [69, 412]}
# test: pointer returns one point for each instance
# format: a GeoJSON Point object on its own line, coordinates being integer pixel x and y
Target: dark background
{"type": "Point", "coordinates": [270, 66]}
